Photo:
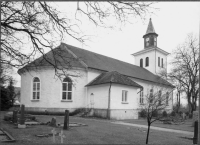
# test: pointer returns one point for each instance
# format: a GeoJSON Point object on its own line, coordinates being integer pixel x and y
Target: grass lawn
{"type": "Point", "coordinates": [187, 126]}
{"type": "Point", "coordinates": [96, 132]}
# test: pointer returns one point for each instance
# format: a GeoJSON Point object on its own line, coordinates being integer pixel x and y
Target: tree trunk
{"type": "Point", "coordinates": [147, 138]}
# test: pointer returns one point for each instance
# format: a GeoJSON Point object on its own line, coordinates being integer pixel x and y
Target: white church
{"type": "Point", "coordinates": [109, 87]}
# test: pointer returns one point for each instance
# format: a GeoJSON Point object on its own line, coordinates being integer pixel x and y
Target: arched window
{"type": "Point", "coordinates": [141, 97]}
{"type": "Point", "coordinates": [158, 61]}
{"type": "Point", "coordinates": [36, 88]}
{"type": "Point", "coordinates": [141, 62]}
{"type": "Point", "coordinates": [151, 96]}
{"type": "Point", "coordinates": [167, 98]}
{"type": "Point", "coordinates": [67, 89]}
{"type": "Point", "coordinates": [147, 61]}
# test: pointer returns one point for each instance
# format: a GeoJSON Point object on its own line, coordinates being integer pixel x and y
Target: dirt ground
{"type": "Point", "coordinates": [97, 131]}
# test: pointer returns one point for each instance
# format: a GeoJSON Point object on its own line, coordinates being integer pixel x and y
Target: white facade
{"type": "Point", "coordinates": [51, 91]}
{"type": "Point", "coordinates": [153, 54]}
{"type": "Point", "coordinates": [95, 97]}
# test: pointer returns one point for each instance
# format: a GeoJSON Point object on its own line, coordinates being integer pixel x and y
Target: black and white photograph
{"type": "Point", "coordinates": [100, 72]}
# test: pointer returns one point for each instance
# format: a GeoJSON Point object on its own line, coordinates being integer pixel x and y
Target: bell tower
{"type": "Point", "coordinates": [151, 57]}
{"type": "Point", "coordinates": [150, 38]}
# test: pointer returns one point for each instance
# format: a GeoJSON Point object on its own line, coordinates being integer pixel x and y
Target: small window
{"type": "Point", "coordinates": [147, 41]}
{"type": "Point", "coordinates": [162, 63]}
{"type": "Point", "coordinates": [67, 89]}
{"type": "Point", "coordinates": [151, 96]}
{"type": "Point", "coordinates": [154, 41]}
{"type": "Point", "coordinates": [158, 61]}
{"type": "Point", "coordinates": [124, 96]}
{"type": "Point", "coordinates": [141, 97]}
{"type": "Point", "coordinates": [141, 62]}
{"type": "Point", "coordinates": [36, 88]}
{"type": "Point", "coordinates": [159, 97]}
{"type": "Point", "coordinates": [147, 61]}
{"type": "Point", "coordinates": [167, 98]}
{"type": "Point", "coordinates": [151, 41]}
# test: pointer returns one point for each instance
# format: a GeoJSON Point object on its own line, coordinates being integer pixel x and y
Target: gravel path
{"type": "Point", "coordinates": [155, 128]}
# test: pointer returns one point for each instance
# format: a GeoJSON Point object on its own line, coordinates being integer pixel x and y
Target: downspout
{"type": "Point", "coordinates": [155, 61]}
{"type": "Point", "coordinates": [109, 92]}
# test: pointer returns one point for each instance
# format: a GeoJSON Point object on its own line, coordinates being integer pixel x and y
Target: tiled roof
{"type": "Point", "coordinates": [100, 62]}
{"type": "Point", "coordinates": [114, 77]}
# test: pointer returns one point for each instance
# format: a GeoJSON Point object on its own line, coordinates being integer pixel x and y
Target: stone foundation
{"type": "Point", "coordinates": [118, 114]}
{"type": "Point", "coordinates": [51, 111]}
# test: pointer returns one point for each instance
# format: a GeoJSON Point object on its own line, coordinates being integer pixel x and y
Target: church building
{"type": "Point", "coordinates": [108, 87]}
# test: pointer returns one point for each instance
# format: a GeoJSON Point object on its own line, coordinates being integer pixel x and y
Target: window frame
{"type": "Point", "coordinates": [141, 97]}
{"type": "Point", "coordinates": [155, 41]}
{"type": "Point", "coordinates": [124, 98]}
{"type": "Point", "coordinates": [36, 91]}
{"type": "Point", "coordinates": [151, 96]}
{"type": "Point", "coordinates": [147, 41]}
{"type": "Point", "coordinates": [141, 62]}
{"type": "Point", "coordinates": [167, 99]}
{"type": "Point", "coordinates": [160, 96]}
{"type": "Point", "coordinates": [147, 62]}
{"type": "Point", "coordinates": [66, 91]}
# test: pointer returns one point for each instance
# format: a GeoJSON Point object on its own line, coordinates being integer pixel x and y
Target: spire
{"type": "Point", "coordinates": [150, 28]}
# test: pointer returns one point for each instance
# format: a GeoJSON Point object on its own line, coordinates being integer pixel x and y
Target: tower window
{"type": "Point", "coordinates": [162, 63]}
{"type": "Point", "coordinates": [158, 61]}
{"type": "Point", "coordinates": [154, 41]}
{"type": "Point", "coordinates": [147, 41]}
{"type": "Point", "coordinates": [141, 62]}
{"type": "Point", "coordinates": [151, 40]}
{"type": "Point", "coordinates": [147, 61]}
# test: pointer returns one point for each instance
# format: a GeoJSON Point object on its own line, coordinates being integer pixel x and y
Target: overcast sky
{"type": "Point", "coordinates": [172, 22]}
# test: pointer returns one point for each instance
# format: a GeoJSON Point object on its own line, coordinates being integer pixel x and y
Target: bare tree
{"type": "Point", "coordinates": [155, 102]}
{"type": "Point", "coordinates": [185, 70]}
{"type": "Point", "coordinates": [31, 28]}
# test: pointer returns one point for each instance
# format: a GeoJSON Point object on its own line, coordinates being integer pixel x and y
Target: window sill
{"type": "Point", "coordinates": [36, 100]}
{"type": "Point", "coordinates": [124, 102]}
{"type": "Point", "coordinates": [66, 101]}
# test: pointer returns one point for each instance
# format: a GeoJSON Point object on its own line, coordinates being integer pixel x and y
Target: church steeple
{"type": "Point", "coordinates": [150, 38]}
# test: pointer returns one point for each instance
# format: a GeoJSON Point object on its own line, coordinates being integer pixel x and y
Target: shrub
{"type": "Point", "coordinates": [173, 113]}
{"type": "Point", "coordinates": [155, 113]}
{"type": "Point", "coordinates": [164, 114]}
{"type": "Point", "coordinates": [180, 113]}
{"type": "Point", "coordinates": [143, 113]}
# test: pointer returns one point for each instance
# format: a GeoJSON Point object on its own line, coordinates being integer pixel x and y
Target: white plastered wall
{"type": "Point", "coordinates": [151, 55]}
{"type": "Point", "coordinates": [148, 85]}
{"type": "Point", "coordinates": [51, 90]}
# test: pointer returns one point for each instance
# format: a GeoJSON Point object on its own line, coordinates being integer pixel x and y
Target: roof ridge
{"type": "Point", "coordinates": [101, 55]}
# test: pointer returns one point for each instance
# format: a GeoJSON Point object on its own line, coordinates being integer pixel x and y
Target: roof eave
{"type": "Point", "coordinates": [139, 86]}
